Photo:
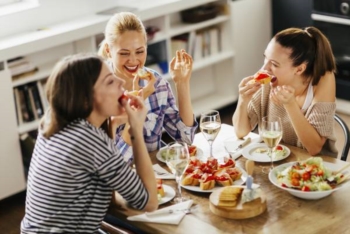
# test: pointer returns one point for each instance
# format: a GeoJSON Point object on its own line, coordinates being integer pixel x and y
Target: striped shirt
{"type": "Point", "coordinates": [162, 113]}
{"type": "Point", "coordinates": [71, 178]}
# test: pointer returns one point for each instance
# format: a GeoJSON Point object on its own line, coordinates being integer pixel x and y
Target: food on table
{"type": "Point", "coordinates": [279, 151]}
{"type": "Point", "coordinates": [192, 150]}
{"type": "Point", "coordinates": [261, 150]}
{"type": "Point", "coordinates": [309, 175]}
{"type": "Point", "coordinates": [208, 174]}
{"type": "Point", "coordinates": [229, 196]}
{"type": "Point", "coordinates": [160, 188]}
{"type": "Point", "coordinates": [207, 181]}
{"type": "Point", "coordinates": [262, 77]}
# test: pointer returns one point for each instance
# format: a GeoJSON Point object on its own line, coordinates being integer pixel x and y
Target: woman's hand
{"type": "Point", "coordinates": [282, 95]}
{"type": "Point", "coordinates": [181, 67]}
{"type": "Point", "coordinates": [136, 111]}
{"type": "Point", "coordinates": [246, 90]}
{"type": "Point", "coordinates": [148, 89]}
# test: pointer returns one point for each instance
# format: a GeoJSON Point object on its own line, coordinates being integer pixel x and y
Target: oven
{"type": "Point", "coordinates": [332, 17]}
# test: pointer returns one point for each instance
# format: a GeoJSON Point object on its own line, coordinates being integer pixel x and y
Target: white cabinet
{"type": "Point", "coordinates": [215, 76]}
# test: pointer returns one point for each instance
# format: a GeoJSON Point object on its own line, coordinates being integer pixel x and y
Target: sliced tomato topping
{"type": "Point", "coordinates": [261, 75]}
{"type": "Point", "coordinates": [305, 188]}
{"type": "Point", "coordinates": [123, 97]}
{"type": "Point", "coordinates": [279, 147]}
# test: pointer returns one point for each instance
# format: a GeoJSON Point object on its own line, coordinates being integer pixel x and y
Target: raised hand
{"type": "Point", "coordinates": [282, 95]}
{"type": "Point", "coordinates": [181, 67]}
{"type": "Point", "coordinates": [246, 90]}
{"type": "Point", "coordinates": [148, 89]}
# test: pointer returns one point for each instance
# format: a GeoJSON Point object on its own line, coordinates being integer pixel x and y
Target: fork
{"type": "Point", "coordinates": [170, 211]}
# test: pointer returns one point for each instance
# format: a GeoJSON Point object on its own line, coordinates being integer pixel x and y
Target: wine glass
{"type": "Point", "coordinates": [271, 133]}
{"type": "Point", "coordinates": [210, 125]}
{"type": "Point", "coordinates": [177, 159]}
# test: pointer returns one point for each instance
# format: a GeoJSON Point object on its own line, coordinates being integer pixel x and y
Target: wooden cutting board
{"type": "Point", "coordinates": [241, 211]}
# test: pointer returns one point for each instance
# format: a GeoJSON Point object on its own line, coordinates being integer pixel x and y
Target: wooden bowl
{"type": "Point", "coordinates": [241, 211]}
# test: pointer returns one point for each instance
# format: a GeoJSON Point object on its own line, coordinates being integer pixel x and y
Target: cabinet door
{"type": "Point", "coordinates": [11, 167]}
{"type": "Point", "coordinates": [251, 32]}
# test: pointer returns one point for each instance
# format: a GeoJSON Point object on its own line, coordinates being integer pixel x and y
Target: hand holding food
{"type": "Point", "coordinates": [262, 77]}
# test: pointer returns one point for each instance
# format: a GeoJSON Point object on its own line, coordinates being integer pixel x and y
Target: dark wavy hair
{"type": "Point", "coordinates": [69, 91]}
{"type": "Point", "coordinates": [311, 46]}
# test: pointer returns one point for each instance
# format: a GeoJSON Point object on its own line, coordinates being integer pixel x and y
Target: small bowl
{"type": "Point", "coordinates": [311, 195]}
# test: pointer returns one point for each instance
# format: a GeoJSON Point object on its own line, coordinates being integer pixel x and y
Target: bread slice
{"type": "Point", "coordinates": [210, 184]}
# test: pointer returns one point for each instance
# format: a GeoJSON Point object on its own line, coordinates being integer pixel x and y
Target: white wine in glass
{"type": "Point", "coordinates": [210, 125]}
{"type": "Point", "coordinates": [271, 133]}
{"type": "Point", "coordinates": [177, 159]}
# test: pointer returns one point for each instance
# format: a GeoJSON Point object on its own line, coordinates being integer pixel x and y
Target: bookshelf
{"type": "Point", "coordinates": [214, 79]}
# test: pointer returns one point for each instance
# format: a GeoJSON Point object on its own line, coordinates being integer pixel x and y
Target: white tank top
{"type": "Point", "coordinates": [309, 97]}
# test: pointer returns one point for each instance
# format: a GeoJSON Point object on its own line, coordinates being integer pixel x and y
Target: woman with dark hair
{"type": "Point", "coordinates": [75, 165]}
{"type": "Point", "coordinates": [303, 95]}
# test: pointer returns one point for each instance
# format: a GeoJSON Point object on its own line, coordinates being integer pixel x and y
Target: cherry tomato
{"type": "Point", "coordinates": [284, 186]}
{"type": "Point", "coordinates": [320, 173]}
{"type": "Point", "coordinates": [279, 147]}
{"type": "Point", "coordinates": [306, 176]}
{"type": "Point", "coordinates": [123, 97]}
{"type": "Point", "coordinates": [305, 188]}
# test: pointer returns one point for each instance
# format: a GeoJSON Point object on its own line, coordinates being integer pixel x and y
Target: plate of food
{"type": "Point", "coordinates": [165, 193]}
{"type": "Point", "coordinates": [259, 152]}
{"type": "Point", "coordinates": [310, 179]}
{"type": "Point", "coordinates": [192, 149]}
{"type": "Point", "coordinates": [205, 177]}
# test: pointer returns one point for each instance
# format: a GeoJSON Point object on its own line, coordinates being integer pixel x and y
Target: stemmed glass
{"type": "Point", "coordinates": [210, 125]}
{"type": "Point", "coordinates": [177, 159]}
{"type": "Point", "coordinates": [271, 133]}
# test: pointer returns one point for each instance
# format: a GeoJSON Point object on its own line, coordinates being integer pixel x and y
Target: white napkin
{"type": "Point", "coordinates": [166, 176]}
{"type": "Point", "coordinates": [173, 218]}
{"type": "Point", "coordinates": [232, 143]}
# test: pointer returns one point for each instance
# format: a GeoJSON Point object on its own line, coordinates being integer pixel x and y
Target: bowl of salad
{"type": "Point", "coordinates": [310, 179]}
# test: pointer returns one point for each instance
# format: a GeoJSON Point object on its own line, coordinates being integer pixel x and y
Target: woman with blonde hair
{"type": "Point", "coordinates": [75, 165]}
{"type": "Point", "coordinates": [125, 47]}
{"type": "Point", "coordinates": [303, 95]}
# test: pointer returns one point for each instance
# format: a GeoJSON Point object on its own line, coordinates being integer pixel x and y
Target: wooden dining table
{"type": "Point", "coordinates": [284, 214]}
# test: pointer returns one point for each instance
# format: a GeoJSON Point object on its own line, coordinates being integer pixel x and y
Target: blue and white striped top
{"type": "Point", "coordinates": [71, 178]}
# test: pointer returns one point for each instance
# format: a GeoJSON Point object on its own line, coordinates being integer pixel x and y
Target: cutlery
{"type": "Point", "coordinates": [240, 146]}
{"type": "Point", "coordinates": [169, 211]}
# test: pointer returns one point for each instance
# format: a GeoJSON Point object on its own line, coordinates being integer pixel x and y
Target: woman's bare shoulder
{"type": "Point", "coordinates": [324, 91]}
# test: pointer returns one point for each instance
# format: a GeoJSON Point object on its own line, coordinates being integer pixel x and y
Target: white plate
{"type": "Point", "coordinates": [169, 194]}
{"type": "Point", "coordinates": [313, 195]}
{"type": "Point", "coordinates": [249, 153]}
{"type": "Point", "coordinates": [159, 156]}
{"type": "Point", "coordinates": [236, 182]}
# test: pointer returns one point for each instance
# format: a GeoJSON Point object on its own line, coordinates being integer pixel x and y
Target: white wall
{"type": "Point", "coordinates": [51, 12]}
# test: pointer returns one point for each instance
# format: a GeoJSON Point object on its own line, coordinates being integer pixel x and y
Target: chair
{"type": "Point", "coordinates": [345, 129]}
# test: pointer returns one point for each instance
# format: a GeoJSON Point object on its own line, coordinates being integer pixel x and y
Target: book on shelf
{"type": "Point", "coordinates": [42, 96]}
{"type": "Point", "coordinates": [23, 105]}
{"type": "Point", "coordinates": [28, 102]}
{"type": "Point", "coordinates": [27, 143]}
{"type": "Point", "coordinates": [18, 106]}
{"type": "Point", "coordinates": [38, 108]}
{"type": "Point", "coordinates": [206, 43]}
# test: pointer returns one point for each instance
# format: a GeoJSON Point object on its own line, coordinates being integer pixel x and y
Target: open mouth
{"type": "Point", "coordinates": [131, 69]}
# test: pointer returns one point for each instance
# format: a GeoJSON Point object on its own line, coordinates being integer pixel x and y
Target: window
{"type": "Point", "coordinates": [12, 6]}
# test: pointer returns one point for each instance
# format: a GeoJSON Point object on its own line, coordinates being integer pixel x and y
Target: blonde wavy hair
{"type": "Point", "coordinates": [116, 26]}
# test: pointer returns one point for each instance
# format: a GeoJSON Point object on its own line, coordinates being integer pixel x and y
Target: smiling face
{"type": "Point", "coordinates": [278, 63]}
{"type": "Point", "coordinates": [107, 90]}
{"type": "Point", "coordinates": [128, 53]}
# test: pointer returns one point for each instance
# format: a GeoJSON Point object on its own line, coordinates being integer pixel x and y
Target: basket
{"type": "Point", "coordinates": [199, 14]}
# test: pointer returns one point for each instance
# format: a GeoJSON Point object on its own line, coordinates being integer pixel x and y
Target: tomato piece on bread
{"type": "Point", "coordinates": [262, 77]}
{"type": "Point", "coordinates": [142, 73]}
{"type": "Point", "coordinates": [123, 97]}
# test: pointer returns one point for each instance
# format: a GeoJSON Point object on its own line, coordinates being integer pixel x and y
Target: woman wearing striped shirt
{"type": "Point", "coordinates": [125, 47]}
{"type": "Point", "coordinates": [75, 165]}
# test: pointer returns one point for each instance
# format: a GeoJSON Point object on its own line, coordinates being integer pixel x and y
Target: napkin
{"type": "Point", "coordinates": [160, 170]}
{"type": "Point", "coordinates": [173, 218]}
{"type": "Point", "coordinates": [232, 143]}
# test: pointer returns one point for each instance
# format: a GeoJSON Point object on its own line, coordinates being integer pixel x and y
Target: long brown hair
{"type": "Point", "coordinates": [69, 91]}
{"type": "Point", "coordinates": [311, 46]}
{"type": "Point", "coordinates": [116, 26]}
